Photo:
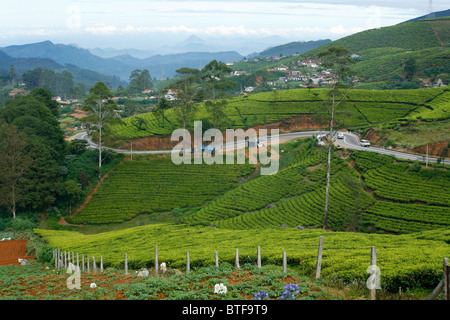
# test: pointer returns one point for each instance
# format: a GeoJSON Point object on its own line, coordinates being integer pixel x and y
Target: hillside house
{"type": "Point", "coordinates": [295, 77]}
{"type": "Point", "coordinates": [238, 73]}
{"type": "Point", "coordinates": [281, 68]}
{"type": "Point", "coordinates": [311, 63]}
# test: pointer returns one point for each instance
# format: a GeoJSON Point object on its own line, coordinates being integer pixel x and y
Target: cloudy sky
{"type": "Point", "coordinates": [144, 24]}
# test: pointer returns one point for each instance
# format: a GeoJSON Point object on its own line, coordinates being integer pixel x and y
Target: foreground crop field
{"type": "Point", "coordinates": [406, 261]}
{"type": "Point", "coordinates": [34, 282]}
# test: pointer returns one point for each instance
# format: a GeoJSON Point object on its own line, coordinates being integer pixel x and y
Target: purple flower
{"type": "Point", "coordinates": [289, 292]}
{"type": "Point", "coordinates": [261, 295]}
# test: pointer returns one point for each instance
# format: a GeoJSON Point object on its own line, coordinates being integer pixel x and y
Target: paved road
{"type": "Point", "coordinates": [350, 141]}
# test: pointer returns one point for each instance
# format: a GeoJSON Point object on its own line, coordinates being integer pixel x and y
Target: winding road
{"type": "Point", "coordinates": [350, 141]}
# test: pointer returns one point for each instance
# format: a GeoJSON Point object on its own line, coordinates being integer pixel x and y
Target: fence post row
{"type": "Point", "coordinates": [62, 259]}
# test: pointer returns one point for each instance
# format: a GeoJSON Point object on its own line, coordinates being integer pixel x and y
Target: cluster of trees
{"type": "Point", "coordinates": [209, 84]}
{"type": "Point", "coordinates": [39, 170]}
{"type": "Point", "coordinates": [60, 84]}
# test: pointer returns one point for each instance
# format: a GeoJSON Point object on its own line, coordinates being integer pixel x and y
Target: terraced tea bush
{"type": "Point", "coordinates": [156, 185]}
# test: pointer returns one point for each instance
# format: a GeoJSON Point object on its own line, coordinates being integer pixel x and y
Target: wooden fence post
{"type": "Point", "coordinates": [78, 262]}
{"type": "Point", "coordinates": [373, 263]}
{"type": "Point", "coordinates": [188, 263]}
{"type": "Point", "coordinates": [216, 257]}
{"type": "Point", "coordinates": [446, 280]}
{"type": "Point", "coordinates": [101, 264]}
{"type": "Point", "coordinates": [126, 264]}
{"type": "Point", "coordinates": [319, 258]}
{"type": "Point", "coordinates": [258, 257]}
{"type": "Point", "coordinates": [82, 261]}
{"type": "Point", "coordinates": [94, 266]}
{"type": "Point", "coordinates": [284, 262]}
{"type": "Point", "coordinates": [237, 259]}
{"type": "Point", "coordinates": [156, 261]}
{"type": "Point", "coordinates": [73, 258]}
{"type": "Point", "coordinates": [88, 264]}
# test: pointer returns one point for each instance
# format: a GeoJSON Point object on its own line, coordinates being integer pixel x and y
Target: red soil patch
{"type": "Point", "coordinates": [12, 250]}
{"type": "Point", "coordinates": [438, 149]}
{"type": "Point", "coordinates": [301, 122]}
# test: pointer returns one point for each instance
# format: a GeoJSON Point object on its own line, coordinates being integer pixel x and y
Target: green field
{"type": "Point", "coordinates": [360, 109]}
{"type": "Point", "coordinates": [146, 185]}
{"type": "Point", "coordinates": [406, 261]}
{"type": "Point", "coordinates": [403, 211]}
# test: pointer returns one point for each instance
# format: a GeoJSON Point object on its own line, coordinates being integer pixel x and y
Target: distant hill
{"type": "Point", "coordinates": [166, 65]}
{"type": "Point", "coordinates": [297, 47]}
{"type": "Point", "coordinates": [89, 77]}
{"type": "Point", "coordinates": [67, 54]}
{"type": "Point", "coordinates": [23, 64]}
{"type": "Point", "coordinates": [414, 35]}
{"type": "Point", "coordinates": [437, 14]}
{"type": "Point", "coordinates": [119, 66]}
{"type": "Point", "coordinates": [383, 52]}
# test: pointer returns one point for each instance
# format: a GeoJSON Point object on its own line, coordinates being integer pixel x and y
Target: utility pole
{"type": "Point", "coordinates": [131, 149]}
{"type": "Point", "coordinates": [427, 158]}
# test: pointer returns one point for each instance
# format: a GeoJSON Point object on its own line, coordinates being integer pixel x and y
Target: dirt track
{"type": "Point", "coordinates": [12, 250]}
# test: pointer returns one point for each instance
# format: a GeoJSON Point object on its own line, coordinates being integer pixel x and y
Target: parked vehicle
{"type": "Point", "coordinates": [365, 143]}
{"type": "Point", "coordinates": [340, 135]}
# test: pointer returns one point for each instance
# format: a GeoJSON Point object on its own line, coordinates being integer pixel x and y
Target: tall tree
{"type": "Point", "coordinates": [214, 74]}
{"type": "Point", "coordinates": [102, 115]}
{"type": "Point", "coordinates": [14, 163]}
{"type": "Point", "coordinates": [337, 60]}
{"type": "Point", "coordinates": [12, 75]}
{"type": "Point", "coordinates": [140, 80]}
{"type": "Point", "coordinates": [187, 88]}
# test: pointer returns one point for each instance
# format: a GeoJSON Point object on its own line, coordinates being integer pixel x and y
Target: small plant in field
{"type": "Point", "coordinates": [289, 292]}
{"type": "Point", "coordinates": [220, 288]}
{"type": "Point", "coordinates": [261, 295]}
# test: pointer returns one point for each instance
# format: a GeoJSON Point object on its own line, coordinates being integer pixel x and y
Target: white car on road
{"type": "Point", "coordinates": [340, 135]}
{"type": "Point", "coordinates": [365, 143]}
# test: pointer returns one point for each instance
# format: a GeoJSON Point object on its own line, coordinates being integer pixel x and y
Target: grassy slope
{"type": "Point", "coordinates": [363, 107]}
{"type": "Point", "coordinates": [384, 50]}
{"type": "Point", "coordinates": [153, 185]}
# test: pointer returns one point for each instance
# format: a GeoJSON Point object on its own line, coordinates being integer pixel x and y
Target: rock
{"type": "Point", "coordinates": [300, 227]}
{"type": "Point", "coordinates": [270, 206]}
{"type": "Point", "coordinates": [142, 273]}
{"type": "Point", "coordinates": [284, 226]}
{"type": "Point", "coordinates": [213, 225]}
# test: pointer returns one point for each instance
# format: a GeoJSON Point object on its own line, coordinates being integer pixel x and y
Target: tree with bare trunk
{"type": "Point", "coordinates": [14, 163]}
{"type": "Point", "coordinates": [337, 61]}
{"type": "Point", "coordinates": [101, 115]}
